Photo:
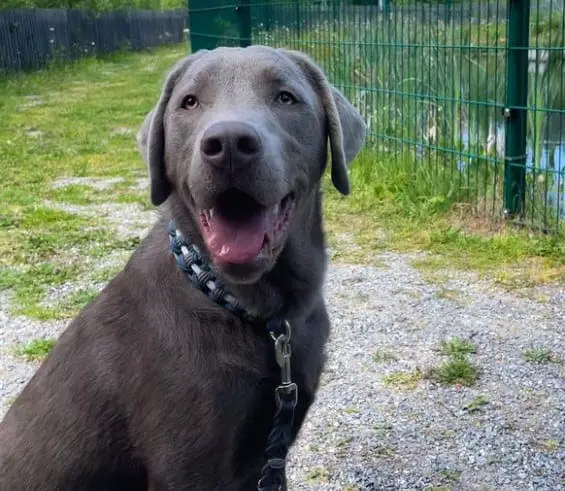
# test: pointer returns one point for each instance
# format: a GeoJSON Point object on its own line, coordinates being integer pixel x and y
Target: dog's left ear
{"type": "Point", "coordinates": [151, 136]}
{"type": "Point", "coordinates": [346, 128]}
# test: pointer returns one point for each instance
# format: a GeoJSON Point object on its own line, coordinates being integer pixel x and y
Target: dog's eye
{"type": "Point", "coordinates": [189, 102]}
{"type": "Point", "coordinates": [286, 98]}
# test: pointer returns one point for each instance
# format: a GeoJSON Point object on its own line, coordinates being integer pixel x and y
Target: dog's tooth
{"type": "Point", "coordinates": [276, 209]}
{"type": "Point", "coordinates": [211, 213]}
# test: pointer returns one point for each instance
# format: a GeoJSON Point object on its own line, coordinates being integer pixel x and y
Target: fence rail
{"type": "Point", "coordinates": [29, 38]}
{"type": "Point", "coordinates": [474, 90]}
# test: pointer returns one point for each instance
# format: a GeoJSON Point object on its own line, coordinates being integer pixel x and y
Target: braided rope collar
{"type": "Point", "coordinates": [190, 261]}
{"type": "Point", "coordinates": [201, 276]}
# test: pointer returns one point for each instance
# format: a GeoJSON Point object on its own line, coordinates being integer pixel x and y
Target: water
{"type": "Point", "coordinates": [548, 175]}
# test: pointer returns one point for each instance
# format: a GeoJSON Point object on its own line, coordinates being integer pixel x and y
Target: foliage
{"type": "Point", "coordinates": [97, 5]}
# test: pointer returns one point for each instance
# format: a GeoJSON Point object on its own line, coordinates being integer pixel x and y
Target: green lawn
{"type": "Point", "coordinates": [80, 120]}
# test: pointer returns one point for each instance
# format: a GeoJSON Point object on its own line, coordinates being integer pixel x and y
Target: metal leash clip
{"type": "Point", "coordinates": [282, 355]}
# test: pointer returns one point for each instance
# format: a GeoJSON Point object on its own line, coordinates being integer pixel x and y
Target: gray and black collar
{"type": "Point", "coordinates": [201, 276]}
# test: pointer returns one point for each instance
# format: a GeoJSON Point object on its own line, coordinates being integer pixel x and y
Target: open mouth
{"type": "Point", "coordinates": [239, 230]}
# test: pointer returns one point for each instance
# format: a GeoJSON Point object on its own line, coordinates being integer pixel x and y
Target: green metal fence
{"type": "Point", "coordinates": [472, 89]}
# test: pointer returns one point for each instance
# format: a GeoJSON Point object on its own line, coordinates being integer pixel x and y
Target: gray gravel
{"type": "Point", "coordinates": [365, 434]}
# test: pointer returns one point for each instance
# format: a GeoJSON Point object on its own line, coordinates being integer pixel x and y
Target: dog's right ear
{"type": "Point", "coordinates": [151, 136]}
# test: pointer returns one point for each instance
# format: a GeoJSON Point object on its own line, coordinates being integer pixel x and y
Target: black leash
{"type": "Point", "coordinates": [273, 477]}
{"type": "Point", "coordinates": [199, 273]}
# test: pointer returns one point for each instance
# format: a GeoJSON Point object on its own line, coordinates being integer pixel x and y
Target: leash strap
{"type": "Point", "coordinates": [273, 476]}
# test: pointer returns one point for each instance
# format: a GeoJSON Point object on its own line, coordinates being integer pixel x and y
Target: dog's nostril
{"type": "Point", "coordinates": [247, 145]}
{"type": "Point", "coordinates": [212, 147]}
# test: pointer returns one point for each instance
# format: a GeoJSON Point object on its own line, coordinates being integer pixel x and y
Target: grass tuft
{"type": "Point", "coordinates": [403, 380]}
{"type": "Point", "coordinates": [383, 356]}
{"type": "Point", "coordinates": [37, 349]}
{"type": "Point", "coordinates": [477, 404]}
{"type": "Point", "coordinates": [456, 371]}
{"type": "Point", "coordinates": [539, 355]}
{"type": "Point", "coordinates": [318, 475]}
{"type": "Point", "coordinates": [457, 347]}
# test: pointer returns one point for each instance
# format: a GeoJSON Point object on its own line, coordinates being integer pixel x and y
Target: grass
{"type": "Point", "coordinates": [456, 371]}
{"type": "Point", "coordinates": [318, 475]}
{"type": "Point", "coordinates": [77, 132]}
{"type": "Point", "coordinates": [37, 349]}
{"type": "Point", "coordinates": [450, 475]}
{"type": "Point", "coordinates": [457, 347]}
{"type": "Point", "coordinates": [442, 105]}
{"type": "Point", "coordinates": [384, 356]}
{"type": "Point", "coordinates": [549, 446]}
{"type": "Point", "coordinates": [88, 131]}
{"type": "Point", "coordinates": [403, 380]}
{"type": "Point", "coordinates": [539, 356]}
{"type": "Point", "coordinates": [477, 404]}
{"type": "Point", "coordinates": [382, 429]}
{"type": "Point", "coordinates": [351, 410]}
{"type": "Point", "coordinates": [420, 209]}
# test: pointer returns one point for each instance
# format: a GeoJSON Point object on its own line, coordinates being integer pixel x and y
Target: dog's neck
{"type": "Point", "coordinates": [302, 259]}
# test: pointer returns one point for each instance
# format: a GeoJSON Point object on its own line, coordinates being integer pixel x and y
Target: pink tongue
{"type": "Point", "coordinates": [232, 242]}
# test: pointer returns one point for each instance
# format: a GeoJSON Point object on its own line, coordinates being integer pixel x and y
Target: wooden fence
{"type": "Point", "coordinates": [29, 38]}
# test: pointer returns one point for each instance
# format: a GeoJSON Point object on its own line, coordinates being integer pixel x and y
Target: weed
{"type": "Point", "coordinates": [456, 371]}
{"type": "Point", "coordinates": [447, 294]}
{"type": "Point", "coordinates": [450, 475]}
{"type": "Point", "coordinates": [382, 429]}
{"type": "Point", "coordinates": [9, 401]}
{"type": "Point", "coordinates": [457, 347]}
{"type": "Point", "coordinates": [539, 355]}
{"type": "Point", "coordinates": [549, 446]}
{"type": "Point", "coordinates": [383, 356]}
{"type": "Point", "coordinates": [404, 380]}
{"type": "Point", "coordinates": [318, 475]}
{"type": "Point", "coordinates": [36, 349]}
{"type": "Point", "coordinates": [477, 404]}
{"type": "Point", "coordinates": [344, 442]}
{"type": "Point", "coordinates": [351, 410]}
{"type": "Point", "coordinates": [385, 451]}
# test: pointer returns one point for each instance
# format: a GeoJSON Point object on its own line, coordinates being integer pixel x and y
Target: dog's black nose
{"type": "Point", "coordinates": [230, 144]}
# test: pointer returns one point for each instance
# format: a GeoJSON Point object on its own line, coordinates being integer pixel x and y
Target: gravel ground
{"type": "Point", "coordinates": [365, 434]}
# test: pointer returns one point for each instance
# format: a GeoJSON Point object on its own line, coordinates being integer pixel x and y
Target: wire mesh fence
{"type": "Point", "coordinates": [30, 38]}
{"type": "Point", "coordinates": [472, 90]}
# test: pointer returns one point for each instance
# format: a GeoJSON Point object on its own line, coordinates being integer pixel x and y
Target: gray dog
{"type": "Point", "coordinates": [162, 383]}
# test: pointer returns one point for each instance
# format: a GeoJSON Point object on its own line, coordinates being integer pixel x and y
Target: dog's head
{"type": "Point", "coordinates": [241, 136]}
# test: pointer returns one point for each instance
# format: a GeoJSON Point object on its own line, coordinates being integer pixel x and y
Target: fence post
{"type": "Point", "coordinates": [515, 112]}
{"type": "Point", "coordinates": [448, 9]}
{"type": "Point", "coordinates": [244, 14]}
